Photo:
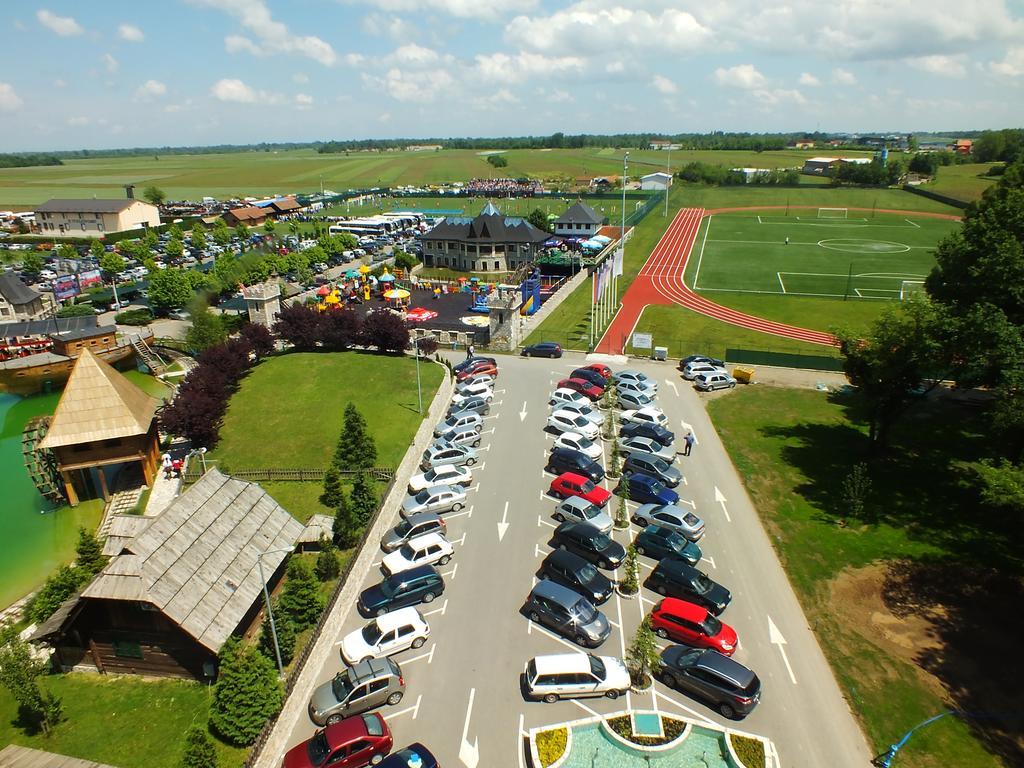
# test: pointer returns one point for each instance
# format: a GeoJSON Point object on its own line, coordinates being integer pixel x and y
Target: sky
{"type": "Point", "coordinates": [109, 74]}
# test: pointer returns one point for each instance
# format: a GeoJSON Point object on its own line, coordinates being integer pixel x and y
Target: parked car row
{"type": "Point", "coordinates": [354, 734]}
{"type": "Point", "coordinates": [706, 373]}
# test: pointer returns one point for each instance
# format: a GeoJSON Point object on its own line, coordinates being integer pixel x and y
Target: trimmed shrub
{"type": "Point", "coordinates": [199, 750]}
{"type": "Point", "coordinates": [134, 317]}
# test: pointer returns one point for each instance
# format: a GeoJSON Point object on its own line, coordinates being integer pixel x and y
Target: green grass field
{"type": "Point", "coordinates": [264, 173]}
{"type": "Point", "coordinates": [964, 182]}
{"type": "Point", "coordinates": [861, 257]}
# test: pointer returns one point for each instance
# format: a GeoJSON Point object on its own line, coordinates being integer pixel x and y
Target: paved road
{"type": "Point", "coordinates": [463, 691]}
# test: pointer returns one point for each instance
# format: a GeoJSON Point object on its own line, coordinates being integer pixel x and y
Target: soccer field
{"type": "Point", "coordinates": [829, 253]}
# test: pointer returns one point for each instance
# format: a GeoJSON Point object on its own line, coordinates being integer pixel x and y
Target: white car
{"type": "Point", "coordinates": [480, 378]}
{"type": "Point", "coordinates": [446, 474]}
{"type": "Point", "coordinates": [429, 549]}
{"type": "Point", "coordinates": [564, 421]}
{"type": "Point", "coordinates": [578, 442]}
{"type": "Point", "coordinates": [386, 635]}
{"type": "Point", "coordinates": [479, 388]}
{"type": "Point", "coordinates": [586, 410]}
{"type": "Point", "coordinates": [693, 370]}
{"type": "Point", "coordinates": [563, 395]}
{"type": "Point", "coordinates": [483, 391]}
{"type": "Point", "coordinates": [644, 416]}
{"type": "Point", "coordinates": [574, 675]}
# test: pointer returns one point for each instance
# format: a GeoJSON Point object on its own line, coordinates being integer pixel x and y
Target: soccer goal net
{"type": "Point", "coordinates": [910, 288]}
{"type": "Point", "coordinates": [832, 213]}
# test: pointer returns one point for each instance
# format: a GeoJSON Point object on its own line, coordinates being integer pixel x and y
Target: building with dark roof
{"type": "Point", "coordinates": [251, 216]}
{"type": "Point", "coordinates": [489, 242]}
{"type": "Point", "coordinates": [579, 220]}
{"type": "Point", "coordinates": [17, 300]}
{"type": "Point", "coordinates": [94, 218]}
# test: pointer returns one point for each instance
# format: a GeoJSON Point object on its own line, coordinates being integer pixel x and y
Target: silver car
{"type": "Point", "coordinates": [411, 527]}
{"type": "Point", "coordinates": [458, 421]}
{"type": "Point", "coordinates": [587, 411]}
{"type": "Point", "coordinates": [582, 511]}
{"type": "Point", "coordinates": [670, 516]}
{"type": "Point", "coordinates": [655, 466]}
{"type": "Point", "coordinates": [443, 452]}
{"type": "Point", "coordinates": [439, 499]}
{"type": "Point", "coordinates": [637, 378]}
{"type": "Point", "coordinates": [629, 399]}
{"type": "Point", "coordinates": [643, 388]}
{"type": "Point", "coordinates": [463, 436]}
{"type": "Point", "coordinates": [646, 445]}
{"type": "Point", "coordinates": [368, 685]}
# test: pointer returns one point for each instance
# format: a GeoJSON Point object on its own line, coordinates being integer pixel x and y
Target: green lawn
{"type": "Point", "coordinates": [794, 448]}
{"type": "Point", "coordinates": [289, 410]}
{"type": "Point", "coordinates": [964, 182]}
{"type": "Point", "coordinates": [129, 722]}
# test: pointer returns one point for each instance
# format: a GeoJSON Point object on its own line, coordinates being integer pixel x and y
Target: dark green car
{"type": "Point", "coordinates": [660, 542]}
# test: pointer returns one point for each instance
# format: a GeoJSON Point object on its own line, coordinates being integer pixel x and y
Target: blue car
{"type": "Point", "coordinates": [648, 490]}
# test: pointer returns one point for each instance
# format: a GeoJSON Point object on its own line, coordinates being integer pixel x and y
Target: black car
{"type": "Point", "coordinates": [660, 542]}
{"type": "Point", "coordinates": [589, 374]}
{"type": "Point", "coordinates": [675, 578]}
{"type": "Point", "coordinates": [724, 683]}
{"type": "Point", "coordinates": [417, 585]}
{"type": "Point", "coordinates": [543, 349]}
{"type": "Point", "coordinates": [471, 361]}
{"type": "Point", "coordinates": [572, 571]}
{"type": "Point", "coordinates": [415, 754]}
{"type": "Point", "coordinates": [569, 460]}
{"type": "Point", "coordinates": [701, 359]}
{"type": "Point", "coordinates": [588, 542]}
{"type": "Point", "coordinates": [653, 431]}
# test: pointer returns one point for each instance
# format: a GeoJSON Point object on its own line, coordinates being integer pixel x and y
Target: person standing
{"type": "Point", "coordinates": [689, 440]}
{"type": "Point", "coordinates": [469, 351]}
{"type": "Point", "coordinates": [165, 461]}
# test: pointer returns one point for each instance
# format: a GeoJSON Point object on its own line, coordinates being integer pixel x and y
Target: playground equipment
{"type": "Point", "coordinates": [530, 289]}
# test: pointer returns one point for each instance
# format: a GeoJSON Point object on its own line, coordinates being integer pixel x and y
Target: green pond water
{"type": "Point", "coordinates": [35, 538]}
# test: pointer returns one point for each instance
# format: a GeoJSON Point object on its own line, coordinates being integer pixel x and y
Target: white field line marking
{"type": "Point", "coordinates": [700, 257]}
{"type": "Point", "coordinates": [782, 285]}
{"type": "Point", "coordinates": [441, 610]}
{"type": "Point", "coordinates": [912, 223]}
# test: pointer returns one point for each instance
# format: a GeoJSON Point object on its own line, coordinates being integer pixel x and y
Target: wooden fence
{"type": "Point", "coordinates": [316, 474]}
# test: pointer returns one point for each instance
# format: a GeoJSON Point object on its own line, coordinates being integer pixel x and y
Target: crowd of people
{"type": "Point", "coordinates": [504, 187]}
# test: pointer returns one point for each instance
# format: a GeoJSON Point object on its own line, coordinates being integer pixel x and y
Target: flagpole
{"type": "Point", "coordinates": [622, 232]}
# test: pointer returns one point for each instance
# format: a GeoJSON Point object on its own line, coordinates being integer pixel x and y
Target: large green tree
{"type": "Point", "coordinates": [89, 553]}
{"type": "Point", "coordinates": [285, 636]}
{"type": "Point", "coordinates": [221, 233]}
{"type": "Point", "coordinates": [153, 194]}
{"type": "Point", "coordinates": [169, 288]}
{"type": "Point", "coordinates": [301, 599]}
{"type": "Point", "coordinates": [207, 329]}
{"type": "Point", "coordinates": [198, 236]}
{"type": "Point", "coordinates": [539, 219]}
{"type": "Point", "coordinates": [246, 695]}
{"type": "Point", "coordinates": [364, 498]}
{"type": "Point", "coordinates": [111, 263]}
{"type": "Point", "coordinates": [345, 529]}
{"type": "Point", "coordinates": [19, 674]}
{"type": "Point", "coordinates": [32, 262]}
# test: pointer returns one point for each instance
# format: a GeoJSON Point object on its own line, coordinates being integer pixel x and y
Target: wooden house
{"type": "Point", "coordinates": [180, 587]}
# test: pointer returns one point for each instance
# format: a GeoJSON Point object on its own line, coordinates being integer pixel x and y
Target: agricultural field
{"type": "Point", "coordinates": [964, 182]}
{"type": "Point", "coordinates": [263, 173]}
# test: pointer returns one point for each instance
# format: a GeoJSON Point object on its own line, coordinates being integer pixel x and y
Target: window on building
{"type": "Point", "coordinates": [128, 649]}
{"type": "Point", "coordinates": [483, 266]}
{"type": "Point", "coordinates": [497, 266]}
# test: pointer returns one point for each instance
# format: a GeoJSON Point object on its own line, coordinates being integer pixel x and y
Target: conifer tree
{"type": "Point", "coordinates": [345, 531]}
{"type": "Point", "coordinates": [246, 695]}
{"type": "Point", "coordinates": [356, 449]}
{"type": "Point", "coordinates": [285, 636]}
{"type": "Point", "coordinates": [301, 600]}
{"type": "Point", "coordinates": [332, 493]}
{"type": "Point", "coordinates": [199, 750]}
{"type": "Point", "coordinates": [364, 498]}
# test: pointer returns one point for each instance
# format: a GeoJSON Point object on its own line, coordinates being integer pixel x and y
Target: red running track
{"type": "Point", "coordinates": [660, 281]}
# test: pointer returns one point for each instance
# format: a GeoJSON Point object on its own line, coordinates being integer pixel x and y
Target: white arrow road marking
{"type": "Point", "coordinates": [503, 525]}
{"type": "Point", "coordinates": [522, 413]}
{"type": "Point", "coordinates": [711, 560]}
{"type": "Point", "coordinates": [415, 709]}
{"type": "Point", "coordinates": [720, 499]}
{"type": "Point", "coordinates": [775, 638]}
{"type": "Point", "coordinates": [673, 385]}
{"type": "Point", "coordinates": [469, 754]}
{"type": "Point", "coordinates": [441, 610]}
{"type": "Point", "coordinates": [428, 656]}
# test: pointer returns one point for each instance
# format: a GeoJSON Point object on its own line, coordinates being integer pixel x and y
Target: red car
{"type": "Point", "coordinates": [582, 386]}
{"type": "Point", "coordinates": [600, 369]}
{"type": "Point", "coordinates": [570, 484]}
{"type": "Point", "coordinates": [692, 625]}
{"type": "Point", "coordinates": [479, 366]}
{"type": "Point", "coordinates": [352, 743]}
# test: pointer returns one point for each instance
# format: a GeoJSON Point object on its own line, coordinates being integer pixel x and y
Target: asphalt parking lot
{"type": "Point", "coordinates": [463, 697]}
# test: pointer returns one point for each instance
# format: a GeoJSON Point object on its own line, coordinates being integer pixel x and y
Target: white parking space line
{"type": "Point", "coordinates": [584, 707]}
{"type": "Point", "coordinates": [642, 564]}
{"type": "Point", "coordinates": [541, 521]}
{"type": "Point", "coordinates": [415, 709]}
{"type": "Point", "coordinates": [647, 600]}
{"type": "Point", "coordinates": [709, 559]}
{"type": "Point", "coordinates": [480, 468]}
{"type": "Point", "coordinates": [520, 735]}
{"type": "Point", "coordinates": [467, 512]}
{"type": "Point", "coordinates": [441, 610]}
{"type": "Point", "coordinates": [451, 573]}
{"type": "Point", "coordinates": [485, 448]}
{"type": "Point", "coordinates": [543, 495]}
{"type": "Point", "coordinates": [473, 487]}
{"type": "Point", "coordinates": [537, 551]}
{"type": "Point", "coordinates": [684, 501]}
{"type": "Point", "coordinates": [555, 637]}
{"type": "Point", "coordinates": [488, 431]}
{"type": "Point", "coordinates": [460, 541]}
{"type": "Point", "coordinates": [429, 656]}
{"type": "Point", "coordinates": [689, 710]}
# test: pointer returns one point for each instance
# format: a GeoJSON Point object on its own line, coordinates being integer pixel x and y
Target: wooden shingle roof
{"type": "Point", "coordinates": [15, 756]}
{"type": "Point", "coordinates": [98, 404]}
{"type": "Point", "coordinates": [196, 561]}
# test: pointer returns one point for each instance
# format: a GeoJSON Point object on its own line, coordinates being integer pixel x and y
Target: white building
{"type": "Point", "coordinates": [659, 180]}
{"type": "Point", "coordinates": [580, 220]}
{"type": "Point", "coordinates": [94, 218]}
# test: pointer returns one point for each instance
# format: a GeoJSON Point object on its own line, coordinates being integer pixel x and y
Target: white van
{"type": "Point", "coordinates": [575, 675]}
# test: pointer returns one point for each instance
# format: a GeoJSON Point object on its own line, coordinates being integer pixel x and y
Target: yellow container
{"type": "Point", "coordinates": [746, 375]}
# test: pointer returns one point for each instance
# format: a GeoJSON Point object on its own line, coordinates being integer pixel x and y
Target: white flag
{"type": "Point", "coordinates": [618, 261]}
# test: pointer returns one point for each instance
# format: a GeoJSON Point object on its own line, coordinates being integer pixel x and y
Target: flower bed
{"type": "Point", "coordinates": [551, 746]}
{"type": "Point", "coordinates": [747, 751]}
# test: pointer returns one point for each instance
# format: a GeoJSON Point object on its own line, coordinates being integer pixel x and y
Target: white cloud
{"type": "Point", "coordinates": [354, 59]}
{"type": "Point", "coordinates": [779, 96]}
{"type": "Point", "coordinates": [384, 117]}
{"type": "Point", "coordinates": [502, 68]}
{"type": "Point", "coordinates": [590, 28]}
{"type": "Point", "coordinates": [303, 100]}
{"type": "Point", "coordinates": [10, 101]}
{"type": "Point", "coordinates": [300, 77]}
{"type": "Point", "coordinates": [1012, 64]}
{"type": "Point", "coordinates": [484, 9]}
{"type": "Point", "coordinates": [806, 78]}
{"type": "Point", "coordinates": [59, 83]}
{"type": "Point", "coordinates": [663, 85]}
{"type": "Point", "coordinates": [394, 27]}
{"type": "Point", "coordinates": [232, 89]}
{"type": "Point", "coordinates": [271, 36]}
{"type": "Point", "coordinates": [500, 99]}
{"type": "Point", "coordinates": [65, 26]}
{"type": "Point", "coordinates": [614, 67]}
{"type": "Point", "coordinates": [413, 55]}
{"type": "Point", "coordinates": [419, 87]}
{"type": "Point", "coordinates": [842, 76]}
{"type": "Point", "coordinates": [130, 33]}
{"type": "Point", "coordinates": [184, 106]}
{"type": "Point", "coordinates": [78, 121]}
{"type": "Point", "coordinates": [944, 66]}
{"type": "Point", "coordinates": [110, 63]}
{"type": "Point", "coordinates": [150, 89]}
{"type": "Point", "coordinates": [741, 76]}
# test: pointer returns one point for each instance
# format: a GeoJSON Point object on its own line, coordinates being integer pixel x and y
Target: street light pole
{"type": "Point", "coordinates": [270, 610]}
{"type": "Point", "coordinates": [419, 388]}
{"type": "Point", "coordinates": [622, 234]}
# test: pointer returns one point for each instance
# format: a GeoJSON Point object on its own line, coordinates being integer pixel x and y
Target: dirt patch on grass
{"type": "Point", "coordinates": [961, 626]}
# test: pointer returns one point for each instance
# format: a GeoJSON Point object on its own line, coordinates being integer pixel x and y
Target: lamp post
{"type": "Point", "coordinates": [270, 611]}
{"type": "Point", "coordinates": [419, 388]}
{"type": "Point", "coordinates": [622, 234]}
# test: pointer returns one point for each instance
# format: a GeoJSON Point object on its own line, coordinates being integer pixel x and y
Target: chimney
{"type": "Point", "coordinates": [129, 190]}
